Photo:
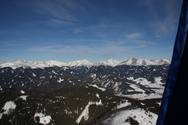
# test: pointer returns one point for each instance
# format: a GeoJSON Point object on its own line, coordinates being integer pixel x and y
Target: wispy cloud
{"type": "Point", "coordinates": [113, 50]}
{"type": "Point", "coordinates": [80, 50]}
{"type": "Point", "coordinates": [164, 20]}
{"type": "Point", "coordinates": [137, 39]}
{"type": "Point", "coordinates": [133, 35]}
{"type": "Point", "coordinates": [58, 11]}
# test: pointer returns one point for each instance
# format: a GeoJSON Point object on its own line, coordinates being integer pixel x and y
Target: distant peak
{"type": "Point", "coordinates": [83, 62]}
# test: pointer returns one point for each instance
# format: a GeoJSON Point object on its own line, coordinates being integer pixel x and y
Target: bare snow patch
{"type": "Point", "coordinates": [43, 119]}
{"type": "Point", "coordinates": [60, 80]}
{"type": "Point", "coordinates": [159, 103]}
{"type": "Point", "coordinates": [93, 75]}
{"type": "Point", "coordinates": [142, 81]}
{"type": "Point", "coordinates": [130, 78]}
{"type": "Point", "coordinates": [54, 72]}
{"type": "Point", "coordinates": [34, 75]}
{"type": "Point", "coordinates": [8, 108]}
{"type": "Point", "coordinates": [22, 92]}
{"type": "Point", "coordinates": [124, 104]}
{"type": "Point", "coordinates": [136, 88]}
{"type": "Point", "coordinates": [97, 95]}
{"type": "Point", "coordinates": [100, 88]}
{"type": "Point", "coordinates": [23, 97]}
{"type": "Point", "coordinates": [85, 113]}
{"type": "Point", "coordinates": [158, 80]}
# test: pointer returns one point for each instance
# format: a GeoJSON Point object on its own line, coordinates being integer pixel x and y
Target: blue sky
{"type": "Point", "coordinates": [87, 29]}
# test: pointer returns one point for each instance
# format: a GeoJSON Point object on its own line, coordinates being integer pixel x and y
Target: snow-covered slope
{"type": "Point", "coordinates": [139, 116]}
{"type": "Point", "coordinates": [110, 62]}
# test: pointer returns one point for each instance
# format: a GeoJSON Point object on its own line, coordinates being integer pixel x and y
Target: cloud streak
{"type": "Point", "coordinates": [80, 50]}
{"type": "Point", "coordinates": [114, 50]}
{"type": "Point", "coordinates": [60, 12]}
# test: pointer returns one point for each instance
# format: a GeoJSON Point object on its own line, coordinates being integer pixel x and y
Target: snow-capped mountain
{"type": "Point", "coordinates": [135, 61]}
{"type": "Point", "coordinates": [32, 64]}
{"type": "Point", "coordinates": [110, 62]}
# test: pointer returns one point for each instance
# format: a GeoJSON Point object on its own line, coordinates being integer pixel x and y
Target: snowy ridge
{"type": "Point", "coordinates": [110, 62]}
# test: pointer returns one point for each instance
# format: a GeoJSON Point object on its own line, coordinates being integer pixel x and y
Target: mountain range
{"type": "Point", "coordinates": [110, 62]}
{"type": "Point", "coordinates": [81, 92]}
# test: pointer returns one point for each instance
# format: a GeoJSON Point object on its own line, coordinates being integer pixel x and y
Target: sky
{"type": "Point", "coordinates": [95, 30]}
